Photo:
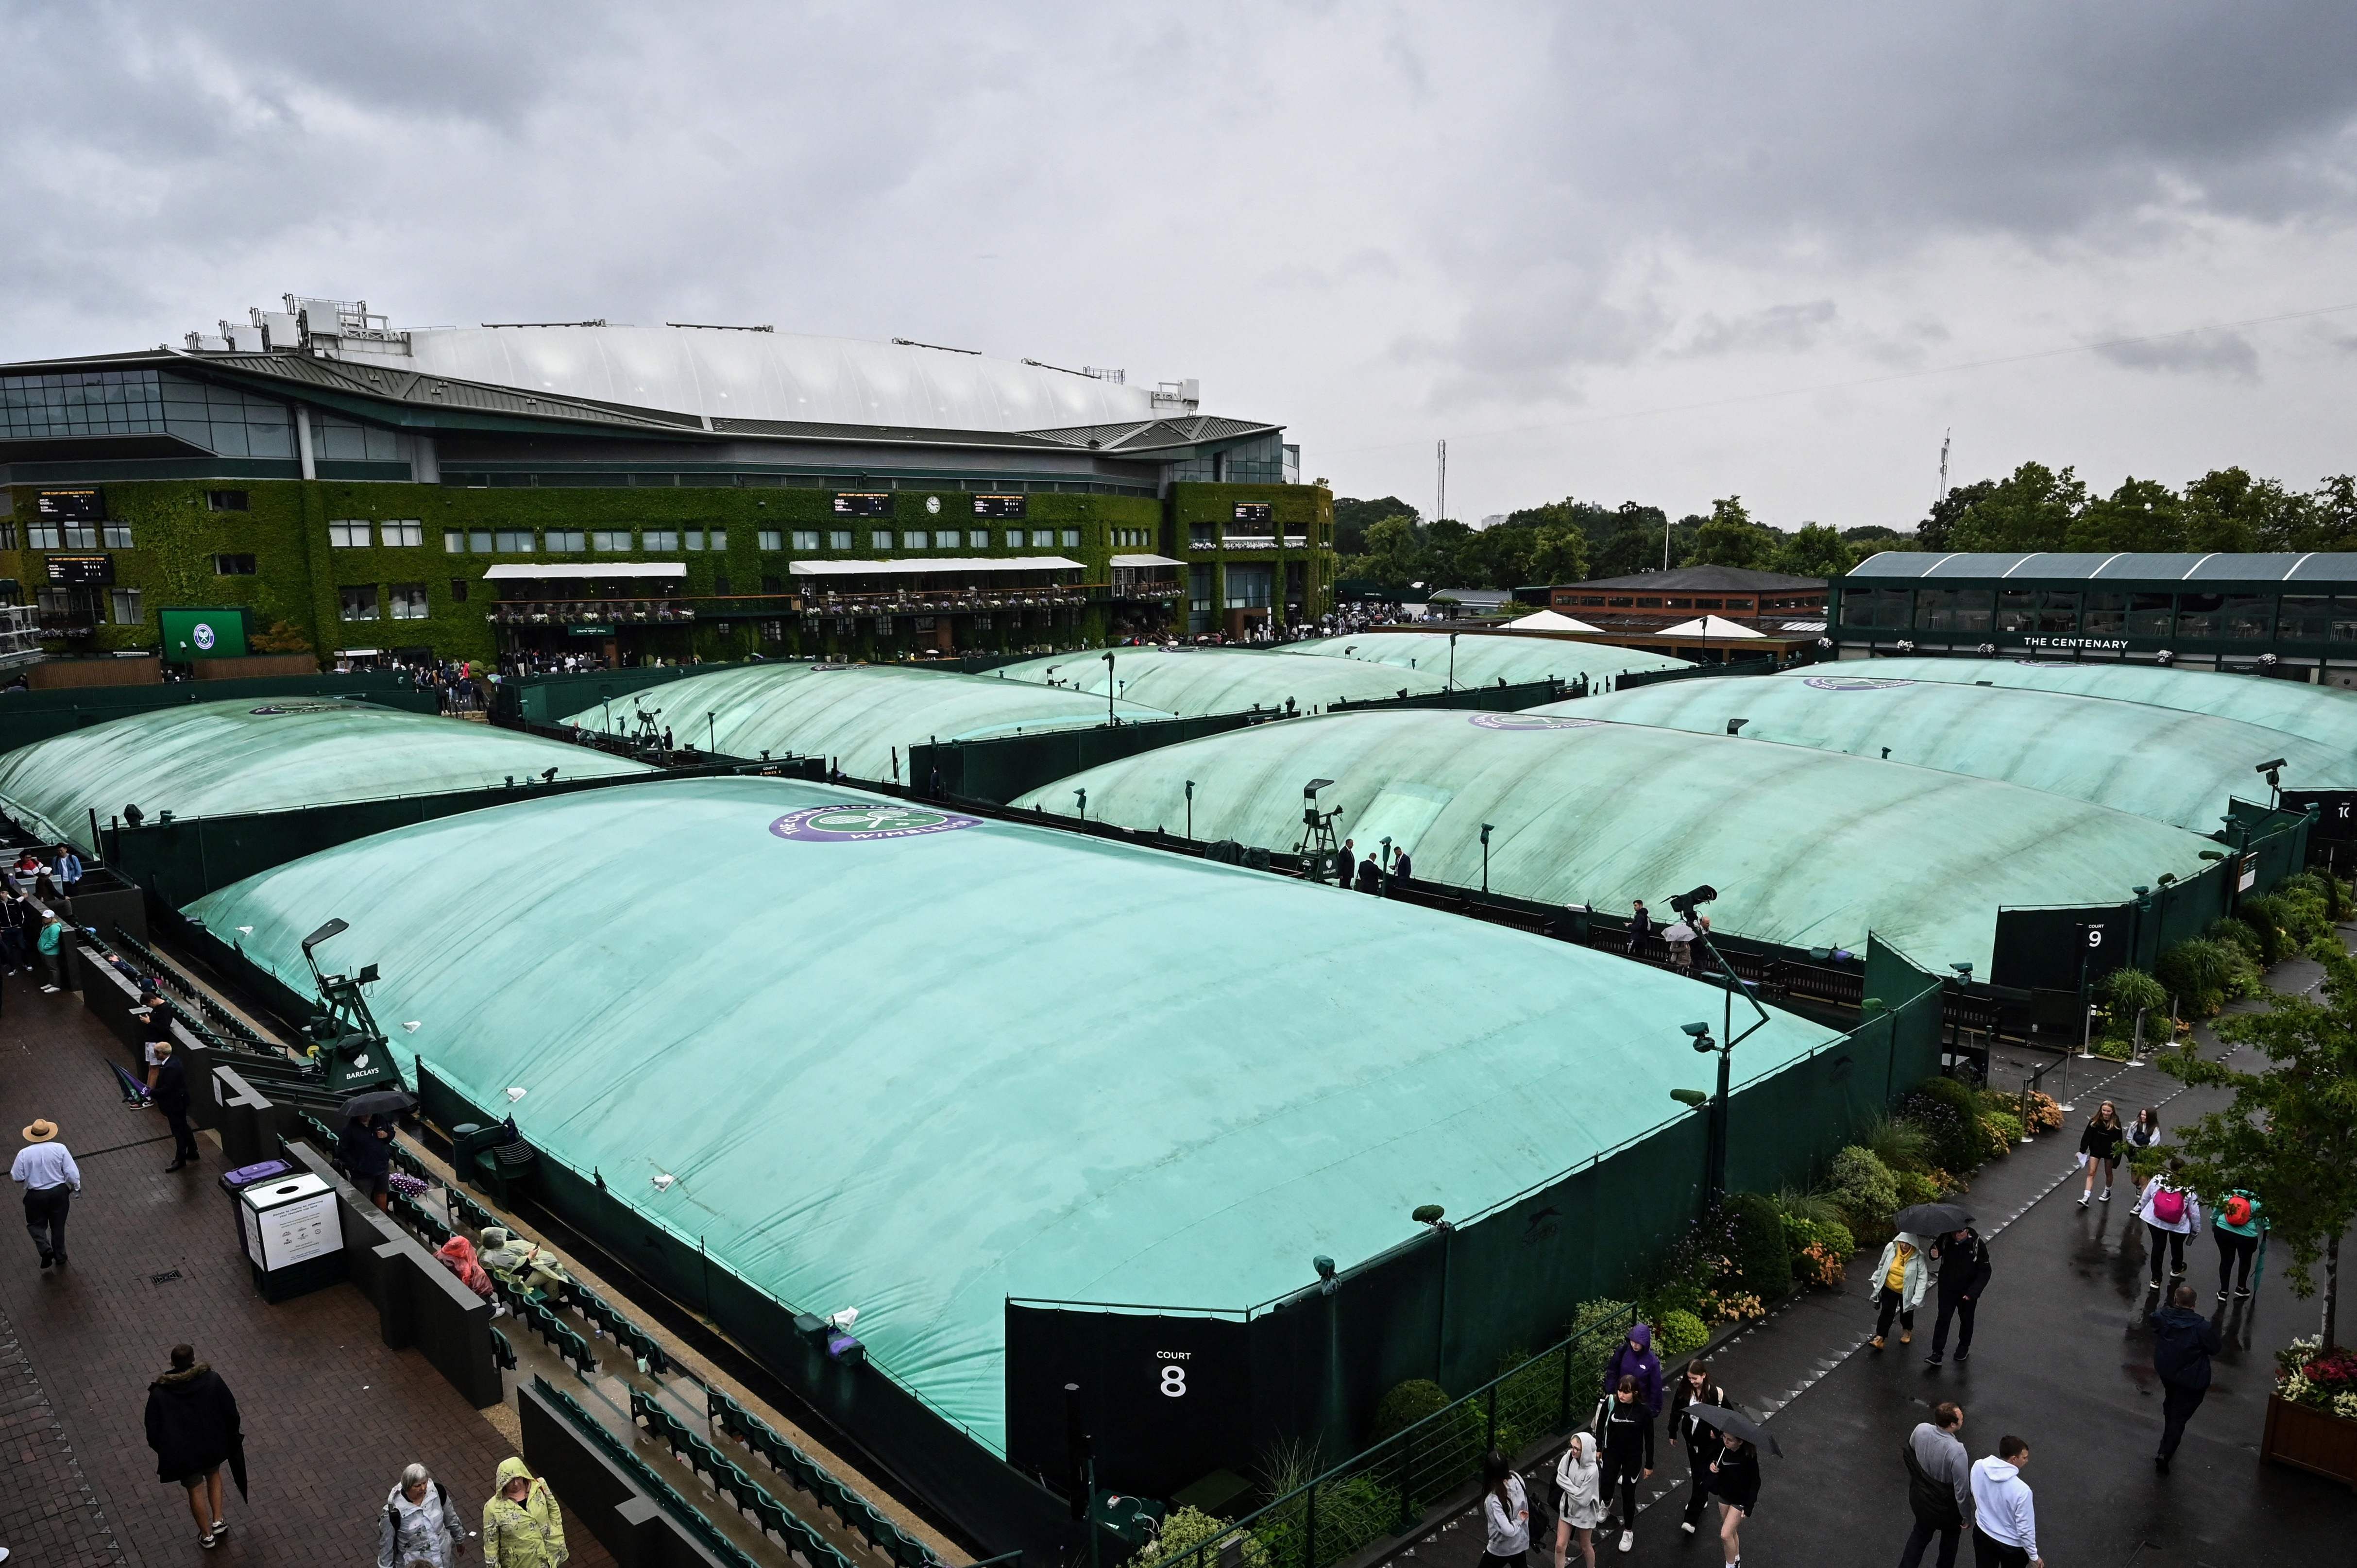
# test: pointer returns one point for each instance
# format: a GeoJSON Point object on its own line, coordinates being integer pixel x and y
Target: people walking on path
{"type": "Point", "coordinates": [1700, 1440]}
{"type": "Point", "coordinates": [1963, 1259]}
{"type": "Point", "coordinates": [194, 1428]}
{"type": "Point", "coordinates": [1634, 1357]}
{"type": "Point", "coordinates": [365, 1147]}
{"type": "Point", "coordinates": [46, 1169]}
{"type": "Point", "coordinates": [1899, 1282]}
{"type": "Point", "coordinates": [2238, 1218]}
{"type": "Point", "coordinates": [2099, 1149]}
{"type": "Point", "coordinates": [523, 1526]}
{"type": "Point", "coordinates": [1580, 1497]}
{"type": "Point", "coordinates": [1735, 1482]}
{"type": "Point", "coordinates": [419, 1528]}
{"type": "Point", "coordinates": [1506, 1512]}
{"type": "Point", "coordinates": [2183, 1342]}
{"type": "Point", "coordinates": [2004, 1515]}
{"type": "Point", "coordinates": [52, 938]}
{"type": "Point", "coordinates": [2145, 1131]}
{"type": "Point", "coordinates": [1641, 923]}
{"type": "Point", "coordinates": [2171, 1213]}
{"type": "Point", "coordinates": [1939, 1485]}
{"type": "Point", "coordinates": [155, 1036]}
{"type": "Point", "coordinates": [1624, 1428]}
{"type": "Point", "coordinates": [170, 1095]}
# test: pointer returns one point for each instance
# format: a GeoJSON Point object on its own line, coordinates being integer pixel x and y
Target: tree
{"type": "Point", "coordinates": [2290, 1134]}
{"type": "Point", "coordinates": [1353, 517]}
{"type": "Point", "coordinates": [1394, 555]}
{"type": "Point", "coordinates": [2326, 521]}
{"type": "Point", "coordinates": [1731, 539]}
{"type": "Point", "coordinates": [2228, 509]}
{"type": "Point", "coordinates": [1817, 552]}
{"type": "Point", "coordinates": [1557, 555]}
{"type": "Point", "coordinates": [2032, 508]}
{"type": "Point", "coordinates": [1933, 533]}
{"type": "Point", "coordinates": [2142, 514]}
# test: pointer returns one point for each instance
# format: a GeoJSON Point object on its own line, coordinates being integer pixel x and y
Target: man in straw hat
{"type": "Point", "coordinates": [51, 1178]}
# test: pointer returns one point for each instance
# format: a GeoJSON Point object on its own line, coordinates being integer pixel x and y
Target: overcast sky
{"type": "Point", "coordinates": [1652, 251]}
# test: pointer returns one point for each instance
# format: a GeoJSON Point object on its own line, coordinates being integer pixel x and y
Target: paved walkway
{"type": "Point", "coordinates": [330, 1414]}
{"type": "Point", "coordinates": [2061, 1357]}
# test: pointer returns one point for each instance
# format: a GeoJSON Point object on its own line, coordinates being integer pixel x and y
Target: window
{"type": "Point", "coordinates": [457, 590]}
{"type": "Point", "coordinates": [719, 537]}
{"type": "Point", "coordinates": [2198, 614]}
{"type": "Point", "coordinates": [916, 539]}
{"type": "Point", "coordinates": [567, 539]}
{"type": "Point", "coordinates": [2017, 610]}
{"type": "Point", "coordinates": [773, 584]}
{"type": "Point", "coordinates": [348, 535]}
{"type": "Point", "coordinates": [2107, 615]}
{"type": "Point", "coordinates": [44, 535]}
{"type": "Point", "coordinates": [7, 536]}
{"type": "Point", "coordinates": [775, 539]}
{"type": "Point", "coordinates": [839, 539]}
{"type": "Point", "coordinates": [2305, 618]}
{"type": "Point", "coordinates": [662, 539]}
{"type": "Point", "coordinates": [1041, 538]}
{"type": "Point", "coordinates": [613, 542]}
{"type": "Point", "coordinates": [880, 539]}
{"type": "Point", "coordinates": [233, 565]}
{"type": "Point", "coordinates": [977, 539]}
{"type": "Point", "coordinates": [1015, 539]}
{"type": "Point", "coordinates": [479, 540]}
{"type": "Point", "coordinates": [454, 540]}
{"type": "Point", "coordinates": [2058, 613]}
{"type": "Point", "coordinates": [357, 604]}
{"type": "Point", "coordinates": [409, 601]}
{"type": "Point", "coordinates": [334, 439]}
{"type": "Point", "coordinates": [409, 532]}
{"type": "Point", "coordinates": [1069, 538]}
{"type": "Point", "coordinates": [116, 536]}
{"type": "Point", "coordinates": [124, 602]}
{"type": "Point", "coordinates": [695, 539]}
{"type": "Point", "coordinates": [1199, 536]}
{"type": "Point", "coordinates": [2149, 615]}
{"type": "Point", "coordinates": [511, 542]}
{"type": "Point", "coordinates": [1248, 587]}
{"type": "Point", "coordinates": [2247, 617]}
{"type": "Point", "coordinates": [225, 500]}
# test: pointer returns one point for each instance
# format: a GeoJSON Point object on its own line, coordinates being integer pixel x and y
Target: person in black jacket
{"type": "Point", "coordinates": [364, 1147]}
{"type": "Point", "coordinates": [193, 1426]}
{"type": "Point", "coordinates": [2183, 1342]}
{"type": "Point", "coordinates": [1694, 1386]}
{"type": "Point", "coordinates": [1624, 1430]}
{"type": "Point", "coordinates": [1371, 876]}
{"type": "Point", "coordinates": [170, 1095]}
{"type": "Point", "coordinates": [1735, 1482]}
{"type": "Point", "coordinates": [1641, 924]}
{"type": "Point", "coordinates": [2099, 1144]}
{"type": "Point", "coordinates": [1963, 1260]}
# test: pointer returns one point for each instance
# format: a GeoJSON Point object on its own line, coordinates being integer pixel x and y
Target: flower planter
{"type": "Point", "coordinates": [2309, 1439]}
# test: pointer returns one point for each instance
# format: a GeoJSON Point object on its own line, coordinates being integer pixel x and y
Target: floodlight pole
{"type": "Point", "coordinates": [1110, 717]}
{"type": "Point", "coordinates": [1715, 1171]}
{"type": "Point", "coordinates": [1451, 684]}
{"type": "Point", "coordinates": [1190, 810]}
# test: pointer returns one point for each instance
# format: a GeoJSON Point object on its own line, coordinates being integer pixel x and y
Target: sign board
{"type": "Point", "coordinates": [290, 1221]}
{"type": "Point", "coordinates": [70, 506]}
{"type": "Point", "coordinates": [590, 628]}
{"type": "Point", "coordinates": [2250, 874]}
{"type": "Point", "coordinates": [81, 571]}
{"type": "Point", "coordinates": [863, 503]}
{"type": "Point", "coordinates": [1260, 514]}
{"type": "Point", "coordinates": [191, 634]}
{"type": "Point", "coordinates": [1000, 506]}
{"type": "Point", "coordinates": [1166, 1397]}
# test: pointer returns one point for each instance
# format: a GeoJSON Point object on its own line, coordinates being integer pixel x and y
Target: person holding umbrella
{"type": "Point", "coordinates": [364, 1148]}
{"type": "Point", "coordinates": [1964, 1274]}
{"type": "Point", "coordinates": [194, 1428]}
{"type": "Point", "coordinates": [1735, 1472]}
{"type": "Point", "coordinates": [1696, 1386]}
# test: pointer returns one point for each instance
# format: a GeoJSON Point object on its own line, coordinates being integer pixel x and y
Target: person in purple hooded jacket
{"type": "Point", "coordinates": [1635, 1358]}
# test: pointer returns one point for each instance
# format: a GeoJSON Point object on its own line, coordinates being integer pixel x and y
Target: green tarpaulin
{"type": "Point", "coordinates": [1483, 659]}
{"type": "Point", "coordinates": [1190, 682]}
{"type": "Point", "coordinates": [2326, 715]}
{"type": "Point", "coordinates": [879, 1056]}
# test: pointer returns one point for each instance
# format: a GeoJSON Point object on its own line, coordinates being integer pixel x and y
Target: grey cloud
{"type": "Point", "coordinates": [1780, 328]}
{"type": "Point", "coordinates": [2226, 354]}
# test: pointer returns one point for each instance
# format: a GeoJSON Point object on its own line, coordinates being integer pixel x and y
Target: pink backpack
{"type": "Point", "coordinates": [2169, 1206]}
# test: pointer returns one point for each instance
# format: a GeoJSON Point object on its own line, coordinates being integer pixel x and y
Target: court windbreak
{"type": "Point", "coordinates": [879, 1056]}
{"type": "Point", "coordinates": [859, 715]}
{"type": "Point", "coordinates": [261, 754]}
{"type": "Point", "coordinates": [2183, 769]}
{"type": "Point", "coordinates": [1806, 848]}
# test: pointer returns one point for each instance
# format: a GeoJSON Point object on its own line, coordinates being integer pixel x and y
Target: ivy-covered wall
{"type": "Point", "coordinates": [1304, 511]}
{"type": "Point", "coordinates": [174, 539]}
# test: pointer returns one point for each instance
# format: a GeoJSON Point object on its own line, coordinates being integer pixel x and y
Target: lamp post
{"type": "Point", "coordinates": [711, 745]}
{"type": "Point", "coordinates": [1110, 718]}
{"type": "Point", "coordinates": [1451, 683]}
{"type": "Point", "coordinates": [1190, 810]}
{"type": "Point", "coordinates": [1485, 859]}
{"type": "Point", "coordinates": [1688, 907]}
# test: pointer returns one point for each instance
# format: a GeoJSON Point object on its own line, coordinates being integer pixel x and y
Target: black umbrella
{"type": "Point", "coordinates": [378, 1102]}
{"type": "Point", "coordinates": [237, 1465]}
{"type": "Point", "coordinates": [1728, 1418]}
{"type": "Point", "coordinates": [1932, 1218]}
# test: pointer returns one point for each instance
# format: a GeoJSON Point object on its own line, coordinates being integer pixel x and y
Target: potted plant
{"type": "Point", "coordinates": [2312, 1415]}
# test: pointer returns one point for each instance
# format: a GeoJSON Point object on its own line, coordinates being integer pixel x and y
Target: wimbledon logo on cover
{"type": "Point", "coordinates": [1528, 721]}
{"type": "Point", "coordinates": [1854, 682]}
{"type": "Point", "coordinates": [857, 824]}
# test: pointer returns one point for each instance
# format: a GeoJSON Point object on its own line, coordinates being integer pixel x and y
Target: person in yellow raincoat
{"type": "Point", "coordinates": [523, 1527]}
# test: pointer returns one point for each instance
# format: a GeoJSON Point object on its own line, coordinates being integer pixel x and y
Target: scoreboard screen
{"type": "Point", "coordinates": [1000, 506]}
{"type": "Point", "coordinates": [81, 571]}
{"type": "Point", "coordinates": [1262, 514]}
{"type": "Point", "coordinates": [863, 503]}
{"type": "Point", "coordinates": [70, 506]}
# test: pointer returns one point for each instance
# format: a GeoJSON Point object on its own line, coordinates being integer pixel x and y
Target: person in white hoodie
{"type": "Point", "coordinates": [2171, 1213]}
{"type": "Point", "coordinates": [419, 1527]}
{"type": "Point", "coordinates": [1506, 1513]}
{"type": "Point", "coordinates": [2005, 1517]}
{"type": "Point", "coordinates": [1580, 1498]}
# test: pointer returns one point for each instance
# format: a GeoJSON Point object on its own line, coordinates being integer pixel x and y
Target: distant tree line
{"type": "Point", "coordinates": [1385, 541]}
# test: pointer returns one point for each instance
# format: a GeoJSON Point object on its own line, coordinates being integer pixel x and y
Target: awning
{"type": "Point", "coordinates": [1145, 561]}
{"type": "Point", "coordinates": [589, 569]}
{"type": "Point", "coordinates": [1708, 626]}
{"type": "Point", "coordinates": [1548, 620]}
{"type": "Point", "coordinates": [944, 564]}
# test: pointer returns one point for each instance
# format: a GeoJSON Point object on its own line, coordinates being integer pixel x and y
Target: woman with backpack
{"type": "Point", "coordinates": [1624, 1430]}
{"type": "Point", "coordinates": [1580, 1498]}
{"type": "Point", "coordinates": [419, 1528]}
{"type": "Point", "coordinates": [2236, 1226]}
{"type": "Point", "coordinates": [1506, 1511]}
{"type": "Point", "coordinates": [1700, 1441]}
{"type": "Point", "coordinates": [1735, 1482]}
{"type": "Point", "coordinates": [2170, 1214]}
{"type": "Point", "coordinates": [2099, 1144]}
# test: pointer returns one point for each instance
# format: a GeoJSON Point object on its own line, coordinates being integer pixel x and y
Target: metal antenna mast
{"type": "Point", "coordinates": [1944, 437]}
{"type": "Point", "coordinates": [1440, 505]}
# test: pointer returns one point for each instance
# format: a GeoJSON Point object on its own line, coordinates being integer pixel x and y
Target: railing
{"type": "Point", "coordinates": [747, 1496]}
{"type": "Point", "coordinates": [570, 1348]}
{"type": "Point", "coordinates": [224, 1022]}
{"type": "Point", "coordinates": [805, 1474]}
{"type": "Point", "coordinates": [1385, 1489]}
{"type": "Point", "coordinates": [706, 1534]}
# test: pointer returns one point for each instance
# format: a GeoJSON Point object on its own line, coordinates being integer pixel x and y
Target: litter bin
{"type": "Point", "coordinates": [237, 1181]}
{"type": "Point", "coordinates": [294, 1235]}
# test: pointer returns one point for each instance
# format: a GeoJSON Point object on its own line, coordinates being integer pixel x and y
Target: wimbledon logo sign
{"type": "Point", "coordinates": [856, 823]}
{"type": "Point", "coordinates": [202, 636]}
{"type": "Point", "coordinates": [1853, 682]}
{"type": "Point", "coordinates": [1528, 721]}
